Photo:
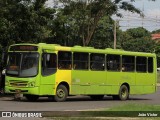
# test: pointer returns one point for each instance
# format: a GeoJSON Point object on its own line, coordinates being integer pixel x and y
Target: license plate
{"type": "Point", "coordinates": [18, 91]}
{"type": "Point", "coordinates": [18, 96]}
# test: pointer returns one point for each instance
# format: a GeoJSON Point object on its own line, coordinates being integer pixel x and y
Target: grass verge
{"type": "Point", "coordinates": [123, 112]}
{"type": "Point", "coordinates": [135, 107]}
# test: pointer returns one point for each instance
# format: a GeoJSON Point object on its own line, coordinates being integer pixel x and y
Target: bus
{"type": "Point", "coordinates": [51, 70]}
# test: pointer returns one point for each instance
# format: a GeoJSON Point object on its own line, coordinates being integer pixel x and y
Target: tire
{"type": "Point", "coordinates": [97, 97]}
{"type": "Point", "coordinates": [123, 93]}
{"type": "Point", "coordinates": [32, 98]}
{"type": "Point", "coordinates": [61, 93]}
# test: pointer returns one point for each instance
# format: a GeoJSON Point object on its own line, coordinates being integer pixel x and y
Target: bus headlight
{"type": "Point", "coordinates": [31, 84]}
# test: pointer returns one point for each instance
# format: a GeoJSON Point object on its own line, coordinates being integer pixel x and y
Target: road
{"type": "Point", "coordinates": [74, 103]}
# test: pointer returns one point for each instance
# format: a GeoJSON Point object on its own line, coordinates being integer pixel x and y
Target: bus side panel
{"type": "Point", "coordinates": [97, 82]}
{"type": "Point", "coordinates": [151, 84]}
{"type": "Point", "coordinates": [88, 82]}
{"type": "Point", "coordinates": [62, 76]}
{"type": "Point", "coordinates": [116, 79]}
{"type": "Point", "coordinates": [145, 83]}
{"type": "Point", "coordinates": [112, 82]}
{"type": "Point", "coordinates": [79, 82]}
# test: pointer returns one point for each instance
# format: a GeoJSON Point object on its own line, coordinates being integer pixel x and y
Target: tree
{"type": "Point", "coordinates": [86, 14]}
{"type": "Point", "coordinates": [156, 31]}
{"type": "Point", "coordinates": [24, 21]}
{"type": "Point", "coordinates": [103, 36]}
{"type": "Point", "coordinates": [157, 51]}
{"type": "Point", "coordinates": [138, 39]}
{"type": "Point", "coordinates": [64, 30]}
{"type": "Point", "coordinates": [138, 32]}
{"type": "Point", "coordinates": [157, 48]}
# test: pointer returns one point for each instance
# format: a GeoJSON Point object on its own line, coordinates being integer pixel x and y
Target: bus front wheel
{"type": "Point", "coordinates": [61, 93]}
{"type": "Point", "coordinates": [123, 93]}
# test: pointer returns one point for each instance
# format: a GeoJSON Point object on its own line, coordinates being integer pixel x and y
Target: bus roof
{"type": "Point", "coordinates": [57, 47]}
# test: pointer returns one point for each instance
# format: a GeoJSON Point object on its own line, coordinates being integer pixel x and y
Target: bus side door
{"type": "Point", "coordinates": [48, 71]}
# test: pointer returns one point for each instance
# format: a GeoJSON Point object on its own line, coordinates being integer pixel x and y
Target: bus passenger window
{"type": "Point", "coordinates": [49, 63]}
{"type": "Point", "coordinates": [128, 63]}
{"type": "Point", "coordinates": [80, 61]}
{"type": "Point", "coordinates": [65, 60]}
{"type": "Point", "coordinates": [97, 61]}
{"type": "Point", "coordinates": [113, 62]}
{"type": "Point", "coordinates": [141, 64]}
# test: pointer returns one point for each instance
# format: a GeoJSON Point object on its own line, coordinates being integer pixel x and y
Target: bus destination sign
{"type": "Point", "coordinates": [23, 48]}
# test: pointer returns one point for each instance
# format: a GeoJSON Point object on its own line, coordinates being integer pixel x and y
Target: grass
{"type": "Point", "coordinates": [135, 107]}
{"type": "Point", "coordinates": [127, 110]}
{"type": "Point", "coordinates": [121, 112]}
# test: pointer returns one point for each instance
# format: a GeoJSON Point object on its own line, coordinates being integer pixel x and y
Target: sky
{"type": "Point", "coordinates": [151, 20]}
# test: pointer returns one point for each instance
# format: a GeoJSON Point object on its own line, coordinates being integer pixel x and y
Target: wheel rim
{"type": "Point", "coordinates": [123, 93]}
{"type": "Point", "coordinates": [60, 93]}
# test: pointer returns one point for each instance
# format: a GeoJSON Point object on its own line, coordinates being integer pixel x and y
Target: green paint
{"type": "Point", "coordinates": [86, 82]}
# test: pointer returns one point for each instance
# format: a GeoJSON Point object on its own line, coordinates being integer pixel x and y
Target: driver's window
{"type": "Point", "coordinates": [49, 63]}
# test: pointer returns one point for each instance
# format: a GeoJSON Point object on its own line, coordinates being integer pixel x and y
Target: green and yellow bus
{"type": "Point", "coordinates": [51, 70]}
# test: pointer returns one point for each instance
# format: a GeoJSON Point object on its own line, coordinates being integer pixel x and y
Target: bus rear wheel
{"type": "Point", "coordinates": [61, 93]}
{"type": "Point", "coordinates": [32, 98]}
{"type": "Point", "coordinates": [123, 93]}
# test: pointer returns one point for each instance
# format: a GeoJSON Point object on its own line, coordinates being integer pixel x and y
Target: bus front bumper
{"type": "Point", "coordinates": [26, 90]}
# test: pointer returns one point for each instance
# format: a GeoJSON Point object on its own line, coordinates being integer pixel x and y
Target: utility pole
{"type": "Point", "coordinates": [115, 34]}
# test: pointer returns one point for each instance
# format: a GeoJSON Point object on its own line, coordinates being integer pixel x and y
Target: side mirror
{"type": "Point", "coordinates": [4, 72]}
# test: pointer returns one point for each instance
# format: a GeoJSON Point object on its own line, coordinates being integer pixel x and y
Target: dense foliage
{"type": "Point", "coordinates": [71, 22]}
{"type": "Point", "coordinates": [24, 21]}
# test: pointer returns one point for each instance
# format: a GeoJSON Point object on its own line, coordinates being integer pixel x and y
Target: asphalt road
{"type": "Point", "coordinates": [74, 103]}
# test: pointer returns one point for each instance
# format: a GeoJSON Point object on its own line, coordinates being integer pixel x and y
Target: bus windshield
{"type": "Point", "coordinates": [22, 64]}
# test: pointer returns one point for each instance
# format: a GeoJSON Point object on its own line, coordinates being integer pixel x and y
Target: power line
{"type": "Point", "coordinates": [139, 18]}
{"type": "Point", "coordinates": [134, 20]}
{"type": "Point", "coordinates": [138, 26]}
